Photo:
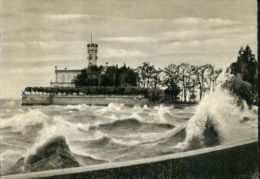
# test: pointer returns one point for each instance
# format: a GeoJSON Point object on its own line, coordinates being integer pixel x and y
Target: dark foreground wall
{"type": "Point", "coordinates": [227, 161]}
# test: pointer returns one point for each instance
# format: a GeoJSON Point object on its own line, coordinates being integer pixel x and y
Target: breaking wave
{"type": "Point", "coordinates": [218, 120]}
{"type": "Point", "coordinates": [19, 121]}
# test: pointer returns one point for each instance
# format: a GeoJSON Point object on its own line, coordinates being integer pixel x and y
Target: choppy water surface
{"type": "Point", "coordinates": [97, 134]}
{"type": "Point", "coordinates": [94, 133]}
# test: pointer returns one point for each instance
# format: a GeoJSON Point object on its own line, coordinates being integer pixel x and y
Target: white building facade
{"type": "Point", "coordinates": [64, 77]}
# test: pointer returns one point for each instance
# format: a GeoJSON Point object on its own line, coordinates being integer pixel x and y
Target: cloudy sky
{"type": "Point", "coordinates": [36, 35]}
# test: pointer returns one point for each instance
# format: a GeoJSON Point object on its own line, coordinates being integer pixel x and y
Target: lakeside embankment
{"type": "Point", "coordinates": [103, 100]}
{"type": "Point", "coordinates": [233, 160]}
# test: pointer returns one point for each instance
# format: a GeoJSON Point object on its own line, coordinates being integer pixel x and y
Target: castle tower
{"type": "Point", "coordinates": [92, 53]}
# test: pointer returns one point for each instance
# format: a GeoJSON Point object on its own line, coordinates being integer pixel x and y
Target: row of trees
{"type": "Point", "coordinates": [184, 79]}
{"type": "Point", "coordinates": [173, 83]}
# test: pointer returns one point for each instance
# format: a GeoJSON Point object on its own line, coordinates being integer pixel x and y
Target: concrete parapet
{"type": "Point", "coordinates": [234, 160]}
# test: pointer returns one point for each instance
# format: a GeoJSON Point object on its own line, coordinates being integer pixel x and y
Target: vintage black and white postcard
{"type": "Point", "coordinates": [117, 89]}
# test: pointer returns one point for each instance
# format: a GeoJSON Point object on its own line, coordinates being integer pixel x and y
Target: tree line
{"type": "Point", "coordinates": [184, 79]}
{"type": "Point", "coordinates": [157, 84]}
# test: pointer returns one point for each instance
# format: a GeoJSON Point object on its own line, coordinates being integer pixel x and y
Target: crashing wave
{"type": "Point", "coordinates": [217, 120]}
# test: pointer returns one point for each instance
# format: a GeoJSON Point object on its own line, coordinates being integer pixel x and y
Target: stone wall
{"type": "Point", "coordinates": [237, 160]}
{"type": "Point", "coordinates": [98, 100]}
{"type": "Point", "coordinates": [39, 99]}
{"type": "Point", "coordinates": [36, 99]}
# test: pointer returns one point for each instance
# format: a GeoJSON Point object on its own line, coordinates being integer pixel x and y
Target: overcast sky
{"type": "Point", "coordinates": [39, 34]}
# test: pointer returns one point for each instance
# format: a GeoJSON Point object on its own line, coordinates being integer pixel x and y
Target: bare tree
{"type": "Point", "coordinates": [201, 78]}
{"type": "Point", "coordinates": [185, 74]}
{"type": "Point", "coordinates": [171, 79]}
{"type": "Point", "coordinates": [145, 71]}
{"type": "Point", "coordinates": [156, 77]}
{"type": "Point", "coordinates": [206, 78]}
{"type": "Point", "coordinates": [192, 82]}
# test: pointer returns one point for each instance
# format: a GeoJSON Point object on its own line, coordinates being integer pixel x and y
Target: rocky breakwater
{"type": "Point", "coordinates": [54, 154]}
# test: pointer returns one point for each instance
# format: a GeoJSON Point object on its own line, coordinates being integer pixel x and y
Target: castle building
{"type": "Point", "coordinates": [64, 77]}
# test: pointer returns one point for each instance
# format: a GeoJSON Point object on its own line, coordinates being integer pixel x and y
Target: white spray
{"type": "Point", "coordinates": [219, 106]}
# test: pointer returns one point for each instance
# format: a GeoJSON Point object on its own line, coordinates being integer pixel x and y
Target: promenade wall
{"type": "Point", "coordinates": [233, 160]}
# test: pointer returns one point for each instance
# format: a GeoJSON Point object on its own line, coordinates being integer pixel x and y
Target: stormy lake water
{"type": "Point", "coordinates": [100, 134]}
